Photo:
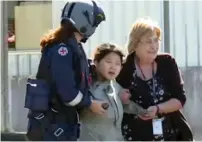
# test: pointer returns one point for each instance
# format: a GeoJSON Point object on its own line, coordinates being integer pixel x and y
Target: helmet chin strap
{"type": "Point", "coordinates": [84, 40]}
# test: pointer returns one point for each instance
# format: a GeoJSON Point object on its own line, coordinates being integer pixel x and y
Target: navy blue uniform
{"type": "Point", "coordinates": [65, 68]}
{"type": "Point", "coordinates": [68, 62]}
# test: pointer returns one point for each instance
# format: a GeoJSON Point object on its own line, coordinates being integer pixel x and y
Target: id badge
{"type": "Point", "coordinates": [157, 126]}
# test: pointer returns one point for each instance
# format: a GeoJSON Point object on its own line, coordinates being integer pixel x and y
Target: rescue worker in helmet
{"type": "Point", "coordinates": [61, 85]}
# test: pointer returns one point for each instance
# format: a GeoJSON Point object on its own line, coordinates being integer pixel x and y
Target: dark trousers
{"type": "Point", "coordinates": [48, 129]}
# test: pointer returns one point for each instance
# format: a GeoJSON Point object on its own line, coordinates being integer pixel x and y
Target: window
{"type": "Point", "coordinates": [27, 22]}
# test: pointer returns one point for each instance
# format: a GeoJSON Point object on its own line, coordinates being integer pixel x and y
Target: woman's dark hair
{"type": "Point", "coordinates": [105, 49]}
{"type": "Point", "coordinates": [61, 34]}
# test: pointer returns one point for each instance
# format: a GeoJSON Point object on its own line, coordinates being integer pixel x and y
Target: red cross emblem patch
{"type": "Point", "coordinates": [62, 51]}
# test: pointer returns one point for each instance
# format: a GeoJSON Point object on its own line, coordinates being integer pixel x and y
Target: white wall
{"type": "Point", "coordinates": [184, 18]}
{"type": "Point", "coordinates": [120, 15]}
{"type": "Point", "coordinates": [186, 32]}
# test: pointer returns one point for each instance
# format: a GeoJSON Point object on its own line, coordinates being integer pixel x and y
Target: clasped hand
{"type": "Point", "coordinates": [152, 110]}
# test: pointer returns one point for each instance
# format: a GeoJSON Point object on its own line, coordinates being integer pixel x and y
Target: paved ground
{"type": "Point", "coordinates": [21, 137]}
{"type": "Point", "coordinates": [13, 137]}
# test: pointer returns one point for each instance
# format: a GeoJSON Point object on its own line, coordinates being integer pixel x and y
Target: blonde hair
{"type": "Point", "coordinates": [140, 28]}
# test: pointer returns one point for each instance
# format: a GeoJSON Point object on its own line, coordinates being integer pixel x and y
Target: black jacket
{"type": "Point", "coordinates": [168, 70]}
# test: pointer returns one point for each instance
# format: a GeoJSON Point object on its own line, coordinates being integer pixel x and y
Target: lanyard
{"type": "Point", "coordinates": [153, 81]}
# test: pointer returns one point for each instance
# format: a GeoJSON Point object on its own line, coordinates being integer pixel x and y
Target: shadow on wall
{"type": "Point", "coordinates": [193, 85]}
{"type": "Point", "coordinates": [18, 112]}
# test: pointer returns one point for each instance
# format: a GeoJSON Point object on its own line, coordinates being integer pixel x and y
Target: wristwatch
{"type": "Point", "coordinates": [157, 111]}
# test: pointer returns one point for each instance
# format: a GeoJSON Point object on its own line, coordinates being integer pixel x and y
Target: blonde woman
{"type": "Point", "coordinates": [155, 84]}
